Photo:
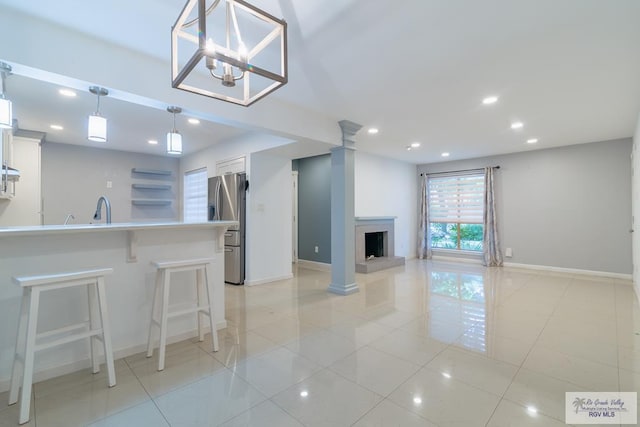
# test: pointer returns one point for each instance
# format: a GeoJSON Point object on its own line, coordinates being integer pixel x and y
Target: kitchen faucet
{"type": "Point", "coordinates": [98, 215]}
{"type": "Point", "coordinates": [69, 216]}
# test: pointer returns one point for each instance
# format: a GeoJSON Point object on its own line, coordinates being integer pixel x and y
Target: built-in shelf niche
{"type": "Point", "coordinates": [151, 171]}
{"type": "Point", "coordinates": [151, 194]}
{"type": "Point", "coordinates": [151, 186]}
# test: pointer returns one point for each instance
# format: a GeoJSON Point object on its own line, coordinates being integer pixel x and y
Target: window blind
{"type": "Point", "coordinates": [456, 199]}
{"type": "Point", "coordinates": [195, 195]}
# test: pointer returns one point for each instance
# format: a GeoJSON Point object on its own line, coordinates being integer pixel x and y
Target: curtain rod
{"type": "Point", "coordinates": [461, 170]}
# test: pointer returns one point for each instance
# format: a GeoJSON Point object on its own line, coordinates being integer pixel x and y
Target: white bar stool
{"type": "Point", "coordinates": [162, 289]}
{"type": "Point", "coordinates": [28, 341]}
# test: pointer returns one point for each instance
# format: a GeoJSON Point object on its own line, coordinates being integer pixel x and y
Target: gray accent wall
{"type": "Point", "coordinates": [314, 208]}
{"type": "Point", "coordinates": [73, 177]}
{"type": "Point", "coordinates": [567, 207]}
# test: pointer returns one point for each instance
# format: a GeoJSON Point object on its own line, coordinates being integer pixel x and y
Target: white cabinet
{"type": "Point", "coordinates": [8, 177]}
{"type": "Point", "coordinates": [23, 208]}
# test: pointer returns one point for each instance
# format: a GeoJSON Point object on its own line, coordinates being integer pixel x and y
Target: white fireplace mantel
{"type": "Point", "coordinates": [375, 218]}
{"type": "Point", "coordinates": [375, 224]}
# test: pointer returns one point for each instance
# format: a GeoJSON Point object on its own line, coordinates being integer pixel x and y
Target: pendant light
{"type": "Point", "coordinates": [97, 123]}
{"type": "Point", "coordinates": [174, 139]}
{"type": "Point", "coordinates": [6, 113]}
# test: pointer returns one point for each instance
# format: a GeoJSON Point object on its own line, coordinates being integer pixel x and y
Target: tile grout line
{"type": "Point", "coordinates": [527, 356]}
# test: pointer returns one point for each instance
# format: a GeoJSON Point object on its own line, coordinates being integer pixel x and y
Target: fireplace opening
{"type": "Point", "coordinates": [374, 244]}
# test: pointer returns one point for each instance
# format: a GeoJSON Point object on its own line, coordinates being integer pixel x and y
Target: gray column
{"type": "Point", "coordinates": [343, 248]}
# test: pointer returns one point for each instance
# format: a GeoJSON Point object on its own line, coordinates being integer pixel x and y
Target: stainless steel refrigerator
{"type": "Point", "coordinates": [227, 202]}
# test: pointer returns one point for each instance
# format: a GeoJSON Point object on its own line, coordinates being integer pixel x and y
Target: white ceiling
{"type": "Point", "coordinates": [418, 70]}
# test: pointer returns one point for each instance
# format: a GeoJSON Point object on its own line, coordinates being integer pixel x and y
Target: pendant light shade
{"type": "Point", "coordinates": [174, 142]}
{"type": "Point", "coordinates": [6, 110]}
{"type": "Point", "coordinates": [97, 129]}
{"type": "Point", "coordinates": [174, 139]}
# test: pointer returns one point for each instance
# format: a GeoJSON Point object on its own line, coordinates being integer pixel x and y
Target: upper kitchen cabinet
{"type": "Point", "coordinates": [21, 203]}
{"type": "Point", "coordinates": [9, 174]}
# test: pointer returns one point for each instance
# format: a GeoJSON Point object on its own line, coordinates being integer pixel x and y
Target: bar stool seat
{"type": "Point", "coordinates": [29, 341]}
{"type": "Point", "coordinates": [161, 293]}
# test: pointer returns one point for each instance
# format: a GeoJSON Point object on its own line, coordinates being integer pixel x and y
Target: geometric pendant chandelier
{"type": "Point", "coordinates": [228, 50]}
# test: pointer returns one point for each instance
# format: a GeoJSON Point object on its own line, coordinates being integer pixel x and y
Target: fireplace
{"type": "Point", "coordinates": [375, 245]}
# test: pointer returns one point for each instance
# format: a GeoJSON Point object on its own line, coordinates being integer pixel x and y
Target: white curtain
{"type": "Point", "coordinates": [490, 239]}
{"type": "Point", "coordinates": [424, 237]}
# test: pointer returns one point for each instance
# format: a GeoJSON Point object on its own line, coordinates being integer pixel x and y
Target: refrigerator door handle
{"type": "Point", "coordinates": [228, 250]}
{"type": "Point", "coordinates": [217, 201]}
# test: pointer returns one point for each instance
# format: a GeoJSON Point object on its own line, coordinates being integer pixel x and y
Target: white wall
{"type": "Point", "coordinates": [73, 177]}
{"type": "Point", "coordinates": [269, 219]}
{"type": "Point", "coordinates": [566, 207]}
{"type": "Point", "coordinates": [385, 187]}
{"type": "Point", "coordinates": [635, 207]}
{"type": "Point", "coordinates": [24, 208]}
{"type": "Point", "coordinates": [268, 234]}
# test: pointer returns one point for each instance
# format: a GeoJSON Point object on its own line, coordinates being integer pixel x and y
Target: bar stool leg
{"type": "Point", "coordinates": [164, 314]}
{"type": "Point", "coordinates": [93, 325]}
{"type": "Point", "coordinates": [106, 331]}
{"type": "Point", "coordinates": [27, 377]}
{"type": "Point", "coordinates": [212, 317]}
{"type": "Point", "coordinates": [17, 371]}
{"type": "Point", "coordinates": [199, 314]}
{"type": "Point", "coordinates": [156, 290]}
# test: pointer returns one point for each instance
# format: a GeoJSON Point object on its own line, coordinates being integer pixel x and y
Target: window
{"type": "Point", "coordinates": [455, 212]}
{"type": "Point", "coordinates": [195, 195]}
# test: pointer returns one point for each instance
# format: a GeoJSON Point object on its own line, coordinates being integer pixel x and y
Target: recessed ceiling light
{"type": "Point", "coordinates": [517, 125]}
{"type": "Point", "coordinates": [445, 154]}
{"type": "Point", "coordinates": [56, 127]}
{"type": "Point", "coordinates": [415, 144]}
{"type": "Point", "coordinates": [194, 121]}
{"type": "Point", "coordinates": [417, 400]}
{"type": "Point", "coordinates": [67, 92]}
{"type": "Point", "coordinates": [446, 375]}
{"type": "Point", "coordinates": [532, 409]}
{"type": "Point", "coordinates": [490, 100]}
{"type": "Point", "coordinates": [152, 141]}
{"type": "Point", "coordinates": [408, 148]}
{"type": "Point", "coordinates": [532, 140]}
{"type": "Point", "coordinates": [373, 131]}
{"type": "Point", "coordinates": [304, 393]}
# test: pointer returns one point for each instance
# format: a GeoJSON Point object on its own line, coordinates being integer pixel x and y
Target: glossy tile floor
{"type": "Point", "coordinates": [428, 344]}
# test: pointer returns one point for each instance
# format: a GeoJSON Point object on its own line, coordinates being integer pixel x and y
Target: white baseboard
{"type": "Point", "coordinates": [477, 261]}
{"type": "Point", "coordinates": [608, 274]}
{"type": "Point", "coordinates": [268, 280]}
{"type": "Point", "coordinates": [79, 365]}
{"type": "Point", "coordinates": [314, 265]}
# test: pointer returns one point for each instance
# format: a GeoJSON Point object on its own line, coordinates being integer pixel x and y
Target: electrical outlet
{"type": "Point", "coordinates": [508, 252]}
{"type": "Point", "coordinates": [316, 249]}
{"type": "Point", "coordinates": [109, 184]}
